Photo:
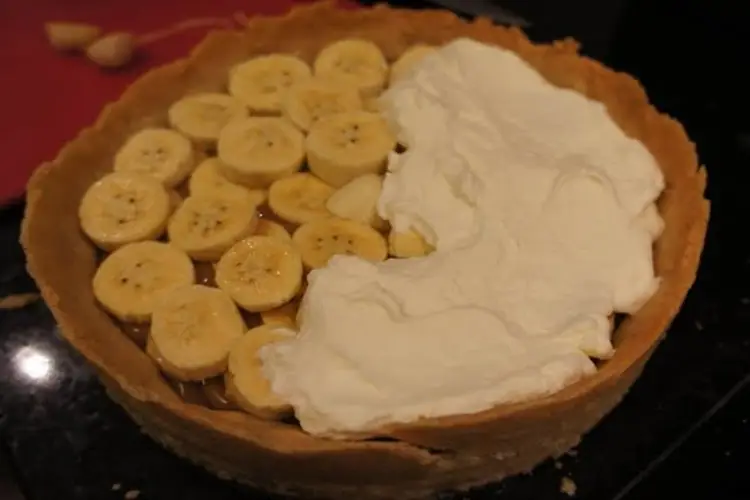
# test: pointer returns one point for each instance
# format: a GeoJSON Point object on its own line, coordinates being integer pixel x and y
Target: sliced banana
{"type": "Point", "coordinates": [262, 82]}
{"type": "Point", "coordinates": [205, 226]}
{"type": "Point", "coordinates": [308, 101]}
{"type": "Point", "coordinates": [158, 152]}
{"type": "Point", "coordinates": [408, 59]}
{"type": "Point", "coordinates": [208, 178]}
{"type": "Point", "coordinates": [408, 244]}
{"type": "Point", "coordinates": [342, 147]}
{"type": "Point", "coordinates": [246, 385]}
{"type": "Point", "coordinates": [192, 330]}
{"type": "Point", "coordinates": [273, 229]}
{"type": "Point", "coordinates": [358, 201]}
{"type": "Point", "coordinates": [355, 62]}
{"type": "Point", "coordinates": [285, 315]}
{"type": "Point", "coordinates": [259, 150]}
{"type": "Point", "coordinates": [201, 117]}
{"type": "Point", "coordinates": [372, 104]}
{"type": "Point", "coordinates": [130, 280]}
{"type": "Point", "coordinates": [320, 240]}
{"type": "Point", "coordinates": [260, 273]}
{"type": "Point", "coordinates": [122, 208]}
{"type": "Point", "coordinates": [300, 198]}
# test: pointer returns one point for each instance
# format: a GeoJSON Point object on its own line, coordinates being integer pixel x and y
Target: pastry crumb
{"type": "Point", "coordinates": [132, 494]}
{"type": "Point", "coordinates": [572, 453]}
{"type": "Point", "coordinates": [558, 465]}
{"type": "Point", "coordinates": [699, 326]}
{"type": "Point", "coordinates": [568, 486]}
{"type": "Point", "coordinates": [116, 486]}
{"type": "Point", "coordinates": [18, 300]}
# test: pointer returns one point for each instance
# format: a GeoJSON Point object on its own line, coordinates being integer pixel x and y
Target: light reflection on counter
{"type": "Point", "coordinates": [34, 364]}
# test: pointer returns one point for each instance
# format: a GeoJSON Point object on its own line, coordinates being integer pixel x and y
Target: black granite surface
{"type": "Point", "coordinates": [683, 430]}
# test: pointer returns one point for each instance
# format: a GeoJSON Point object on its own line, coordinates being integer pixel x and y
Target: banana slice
{"type": "Point", "coordinates": [208, 178]}
{"type": "Point", "coordinates": [205, 226]}
{"type": "Point", "coordinates": [158, 152]}
{"type": "Point", "coordinates": [246, 385]}
{"type": "Point", "coordinates": [355, 62]}
{"type": "Point", "coordinates": [273, 229]}
{"type": "Point", "coordinates": [260, 273]}
{"type": "Point", "coordinates": [308, 101]}
{"type": "Point", "coordinates": [285, 315]}
{"type": "Point", "coordinates": [300, 198]}
{"type": "Point", "coordinates": [372, 104]}
{"type": "Point", "coordinates": [202, 116]}
{"type": "Point", "coordinates": [408, 59]}
{"type": "Point", "coordinates": [259, 150]}
{"type": "Point", "coordinates": [130, 280]}
{"type": "Point", "coordinates": [192, 330]}
{"type": "Point", "coordinates": [262, 82]}
{"type": "Point", "coordinates": [320, 240]}
{"type": "Point", "coordinates": [342, 147]}
{"type": "Point", "coordinates": [408, 244]}
{"type": "Point", "coordinates": [358, 201]}
{"type": "Point", "coordinates": [123, 208]}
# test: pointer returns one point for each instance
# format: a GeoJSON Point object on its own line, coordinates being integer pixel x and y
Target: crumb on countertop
{"type": "Point", "coordinates": [18, 300]}
{"type": "Point", "coordinates": [116, 486]}
{"type": "Point", "coordinates": [132, 494]}
{"type": "Point", "coordinates": [568, 486]}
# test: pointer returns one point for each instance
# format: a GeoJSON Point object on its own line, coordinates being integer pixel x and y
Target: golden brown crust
{"type": "Point", "coordinates": [415, 459]}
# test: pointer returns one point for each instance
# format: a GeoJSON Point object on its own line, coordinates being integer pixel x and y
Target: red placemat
{"type": "Point", "coordinates": [48, 97]}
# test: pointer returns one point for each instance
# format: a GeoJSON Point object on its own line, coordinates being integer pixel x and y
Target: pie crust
{"type": "Point", "coordinates": [406, 461]}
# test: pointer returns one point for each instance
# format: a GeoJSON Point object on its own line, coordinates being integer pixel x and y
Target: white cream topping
{"type": "Point", "coordinates": [541, 211]}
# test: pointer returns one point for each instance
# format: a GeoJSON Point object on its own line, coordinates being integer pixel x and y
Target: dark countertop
{"type": "Point", "coordinates": [683, 429]}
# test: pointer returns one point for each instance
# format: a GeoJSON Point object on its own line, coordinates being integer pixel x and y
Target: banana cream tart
{"type": "Point", "coordinates": [516, 233]}
{"type": "Point", "coordinates": [541, 212]}
{"type": "Point", "coordinates": [371, 253]}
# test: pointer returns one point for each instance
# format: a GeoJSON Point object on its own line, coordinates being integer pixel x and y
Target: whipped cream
{"type": "Point", "coordinates": [542, 214]}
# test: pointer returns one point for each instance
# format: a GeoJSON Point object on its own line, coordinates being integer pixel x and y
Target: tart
{"type": "Point", "coordinates": [410, 460]}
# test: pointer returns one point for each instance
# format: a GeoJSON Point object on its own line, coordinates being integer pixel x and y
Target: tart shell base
{"type": "Point", "coordinates": [455, 471]}
{"type": "Point", "coordinates": [406, 460]}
